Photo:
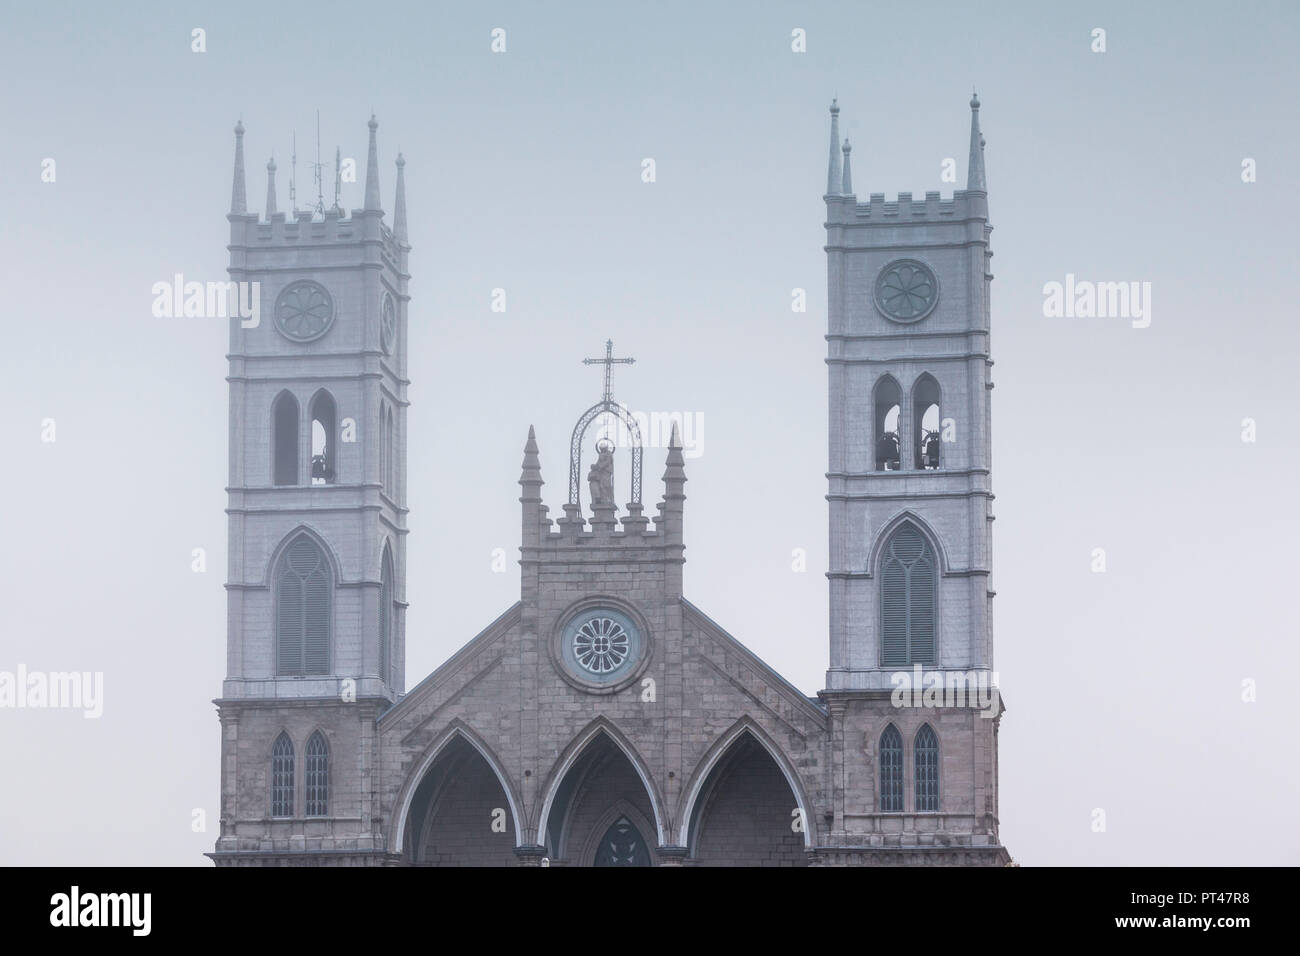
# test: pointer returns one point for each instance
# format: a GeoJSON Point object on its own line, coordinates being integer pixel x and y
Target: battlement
{"type": "Point", "coordinates": [843, 207]}
{"type": "Point", "coordinates": [318, 227]}
{"type": "Point", "coordinates": [903, 205]}
{"type": "Point", "coordinates": [574, 532]}
{"type": "Point", "coordinates": [604, 528]}
{"type": "Point", "coordinates": [309, 228]}
{"type": "Point", "coordinates": [960, 206]}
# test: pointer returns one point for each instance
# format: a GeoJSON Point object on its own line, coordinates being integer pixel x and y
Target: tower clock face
{"type": "Point", "coordinates": [906, 290]}
{"type": "Point", "coordinates": [388, 324]}
{"type": "Point", "coordinates": [304, 311]}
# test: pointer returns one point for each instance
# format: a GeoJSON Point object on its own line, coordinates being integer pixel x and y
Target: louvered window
{"type": "Point", "coordinates": [891, 771]}
{"type": "Point", "coordinates": [927, 771]}
{"type": "Point", "coordinates": [386, 619]}
{"type": "Point", "coordinates": [303, 610]}
{"type": "Point", "coordinates": [318, 776]}
{"type": "Point", "coordinates": [282, 777]}
{"type": "Point", "coordinates": [907, 586]}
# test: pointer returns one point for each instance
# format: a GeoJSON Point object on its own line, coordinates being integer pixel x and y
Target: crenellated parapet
{"type": "Point", "coordinates": [605, 526]}
{"type": "Point", "coordinates": [318, 230]}
{"type": "Point", "coordinates": [843, 207]}
{"type": "Point", "coordinates": [960, 205]}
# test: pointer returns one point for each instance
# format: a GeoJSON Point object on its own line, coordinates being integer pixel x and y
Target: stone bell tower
{"type": "Point", "coordinates": [910, 511]}
{"type": "Point", "coordinates": [317, 517]}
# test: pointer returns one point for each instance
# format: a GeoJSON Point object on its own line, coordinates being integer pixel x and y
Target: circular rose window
{"type": "Point", "coordinates": [601, 647]}
{"type": "Point", "coordinates": [906, 290]}
{"type": "Point", "coordinates": [304, 311]}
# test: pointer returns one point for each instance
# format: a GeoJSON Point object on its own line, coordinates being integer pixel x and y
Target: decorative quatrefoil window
{"type": "Point", "coordinates": [906, 290]}
{"type": "Point", "coordinates": [304, 311]}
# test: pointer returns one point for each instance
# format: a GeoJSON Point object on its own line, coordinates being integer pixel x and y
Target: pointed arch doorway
{"type": "Point", "coordinates": [600, 813]}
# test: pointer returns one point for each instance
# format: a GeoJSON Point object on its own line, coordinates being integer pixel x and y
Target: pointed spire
{"type": "Point", "coordinates": [834, 174]}
{"type": "Point", "coordinates": [399, 203]}
{"type": "Point", "coordinates": [671, 508]}
{"type": "Point", "coordinates": [848, 173]}
{"type": "Point", "coordinates": [532, 466]}
{"type": "Point", "coordinates": [372, 169]}
{"type": "Point", "coordinates": [270, 189]}
{"type": "Point", "coordinates": [238, 202]}
{"type": "Point", "coordinates": [975, 181]}
{"type": "Point", "coordinates": [676, 470]}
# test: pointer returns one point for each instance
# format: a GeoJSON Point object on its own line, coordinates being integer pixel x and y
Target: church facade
{"type": "Point", "coordinates": [604, 719]}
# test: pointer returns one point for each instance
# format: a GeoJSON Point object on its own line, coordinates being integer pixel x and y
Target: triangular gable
{"type": "Point", "coordinates": [778, 685]}
{"type": "Point", "coordinates": [451, 669]}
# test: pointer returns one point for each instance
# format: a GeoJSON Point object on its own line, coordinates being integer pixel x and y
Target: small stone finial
{"type": "Point", "coordinates": [975, 179]}
{"type": "Point", "coordinates": [835, 171]}
{"type": "Point", "coordinates": [238, 196]}
{"type": "Point", "coordinates": [676, 470]}
{"type": "Point", "coordinates": [372, 169]}
{"type": "Point", "coordinates": [399, 201]}
{"type": "Point", "coordinates": [270, 189]}
{"type": "Point", "coordinates": [847, 188]}
{"type": "Point", "coordinates": [532, 466]}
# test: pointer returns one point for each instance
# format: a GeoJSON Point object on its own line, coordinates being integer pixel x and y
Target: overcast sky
{"type": "Point", "coordinates": [524, 173]}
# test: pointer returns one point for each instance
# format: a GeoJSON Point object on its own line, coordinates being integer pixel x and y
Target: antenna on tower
{"type": "Point", "coordinates": [316, 172]}
{"type": "Point", "coordinates": [338, 164]}
{"type": "Point", "coordinates": [293, 176]}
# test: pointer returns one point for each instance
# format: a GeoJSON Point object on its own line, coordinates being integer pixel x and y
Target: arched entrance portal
{"type": "Point", "coordinates": [601, 814]}
{"type": "Point", "coordinates": [459, 813]}
{"type": "Point", "coordinates": [746, 814]}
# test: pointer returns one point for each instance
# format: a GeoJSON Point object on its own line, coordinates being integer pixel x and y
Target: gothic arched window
{"type": "Point", "coordinates": [317, 774]}
{"type": "Point", "coordinates": [925, 421]}
{"type": "Point", "coordinates": [386, 614]}
{"type": "Point", "coordinates": [284, 440]}
{"type": "Point", "coordinates": [622, 845]}
{"type": "Point", "coordinates": [302, 612]}
{"type": "Point", "coordinates": [384, 480]}
{"type": "Point", "coordinates": [282, 777]}
{"type": "Point", "coordinates": [907, 598]}
{"type": "Point", "coordinates": [885, 413]}
{"type": "Point", "coordinates": [926, 768]}
{"type": "Point", "coordinates": [891, 771]}
{"type": "Point", "coordinates": [323, 436]}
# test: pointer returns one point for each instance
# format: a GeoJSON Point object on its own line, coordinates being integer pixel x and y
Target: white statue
{"type": "Point", "coordinates": [601, 476]}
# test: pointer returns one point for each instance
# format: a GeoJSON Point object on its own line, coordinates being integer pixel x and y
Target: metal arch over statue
{"type": "Point", "coordinates": [601, 476]}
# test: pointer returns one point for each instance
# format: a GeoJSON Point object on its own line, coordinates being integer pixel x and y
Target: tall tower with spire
{"type": "Point", "coordinates": [911, 515]}
{"type": "Point", "coordinates": [317, 521]}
